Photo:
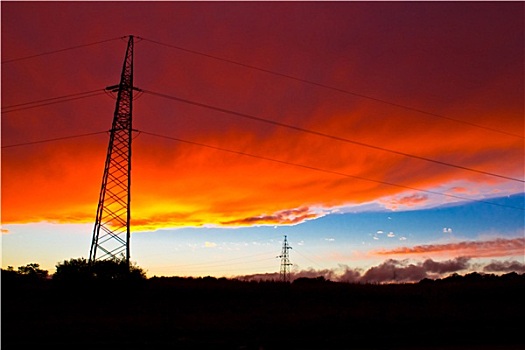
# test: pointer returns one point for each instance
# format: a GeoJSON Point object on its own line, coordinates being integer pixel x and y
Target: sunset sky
{"type": "Point", "coordinates": [378, 137]}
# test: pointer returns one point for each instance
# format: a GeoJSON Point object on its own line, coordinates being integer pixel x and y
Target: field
{"type": "Point", "coordinates": [473, 312]}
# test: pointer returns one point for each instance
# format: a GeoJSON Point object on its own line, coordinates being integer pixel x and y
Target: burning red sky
{"type": "Point", "coordinates": [462, 61]}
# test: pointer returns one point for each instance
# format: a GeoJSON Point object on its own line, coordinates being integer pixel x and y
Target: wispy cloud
{"type": "Point", "coordinates": [476, 249]}
{"type": "Point", "coordinates": [284, 217]}
{"type": "Point", "coordinates": [210, 244]}
{"type": "Point", "coordinates": [406, 201]}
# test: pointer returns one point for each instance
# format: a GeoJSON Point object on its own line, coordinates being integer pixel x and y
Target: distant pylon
{"type": "Point", "coordinates": [111, 234]}
{"type": "Point", "coordinates": [284, 274]}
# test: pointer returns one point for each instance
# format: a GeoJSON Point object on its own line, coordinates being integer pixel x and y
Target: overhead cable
{"type": "Point", "coordinates": [322, 134]}
{"type": "Point", "coordinates": [272, 160]}
{"type": "Point", "coordinates": [50, 101]}
{"type": "Point", "coordinates": [60, 50]}
{"type": "Point", "coordinates": [338, 173]}
{"type": "Point", "coordinates": [54, 139]}
{"type": "Point", "coordinates": [325, 86]}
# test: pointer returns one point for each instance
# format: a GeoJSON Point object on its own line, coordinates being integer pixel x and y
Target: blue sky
{"type": "Point", "coordinates": [323, 243]}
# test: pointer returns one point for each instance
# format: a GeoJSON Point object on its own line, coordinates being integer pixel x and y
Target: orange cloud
{"type": "Point", "coordinates": [285, 217]}
{"type": "Point", "coordinates": [408, 201]}
{"type": "Point", "coordinates": [182, 184]}
{"type": "Point", "coordinates": [178, 184]}
{"type": "Point", "coordinates": [472, 249]}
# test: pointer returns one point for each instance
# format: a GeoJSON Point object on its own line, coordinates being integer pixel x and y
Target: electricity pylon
{"type": "Point", "coordinates": [111, 234]}
{"type": "Point", "coordinates": [284, 273]}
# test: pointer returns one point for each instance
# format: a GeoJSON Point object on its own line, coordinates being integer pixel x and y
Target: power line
{"type": "Point", "coordinates": [268, 240]}
{"type": "Point", "coordinates": [327, 171]}
{"type": "Point", "coordinates": [50, 101]}
{"type": "Point", "coordinates": [324, 86]}
{"type": "Point", "coordinates": [211, 265]}
{"type": "Point", "coordinates": [61, 50]}
{"type": "Point", "coordinates": [54, 139]}
{"type": "Point", "coordinates": [182, 267]}
{"type": "Point", "coordinates": [250, 270]}
{"type": "Point", "coordinates": [318, 133]}
{"type": "Point", "coordinates": [52, 98]}
{"type": "Point", "coordinates": [275, 161]}
{"type": "Point", "coordinates": [222, 261]}
{"type": "Point", "coordinates": [307, 258]}
{"type": "Point", "coordinates": [277, 74]}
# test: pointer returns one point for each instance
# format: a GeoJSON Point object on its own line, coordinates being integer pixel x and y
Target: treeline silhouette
{"type": "Point", "coordinates": [104, 306]}
{"type": "Point", "coordinates": [77, 270]}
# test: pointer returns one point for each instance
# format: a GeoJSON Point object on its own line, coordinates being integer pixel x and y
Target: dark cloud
{"type": "Point", "coordinates": [404, 271]}
{"type": "Point", "coordinates": [505, 266]}
{"type": "Point", "coordinates": [395, 271]}
{"type": "Point", "coordinates": [260, 277]}
{"type": "Point", "coordinates": [328, 274]}
{"type": "Point", "coordinates": [350, 275]}
{"type": "Point", "coordinates": [453, 265]}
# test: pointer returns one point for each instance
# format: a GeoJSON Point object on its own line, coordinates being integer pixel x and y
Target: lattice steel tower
{"type": "Point", "coordinates": [111, 234]}
{"type": "Point", "coordinates": [284, 274]}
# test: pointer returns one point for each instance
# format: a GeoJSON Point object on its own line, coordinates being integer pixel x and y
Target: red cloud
{"type": "Point", "coordinates": [408, 201]}
{"type": "Point", "coordinates": [477, 249]}
{"type": "Point", "coordinates": [285, 217]}
{"type": "Point", "coordinates": [61, 180]}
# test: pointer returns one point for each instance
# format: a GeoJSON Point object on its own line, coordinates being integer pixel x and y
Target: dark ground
{"type": "Point", "coordinates": [176, 313]}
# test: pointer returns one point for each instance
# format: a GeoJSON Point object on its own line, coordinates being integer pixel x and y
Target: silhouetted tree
{"type": "Point", "coordinates": [473, 277]}
{"type": "Point", "coordinates": [33, 271]}
{"type": "Point", "coordinates": [9, 275]}
{"type": "Point", "coordinates": [426, 281]}
{"type": "Point", "coordinates": [310, 280]}
{"type": "Point", "coordinates": [73, 270]}
{"type": "Point", "coordinates": [453, 278]}
{"type": "Point", "coordinates": [76, 270]}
